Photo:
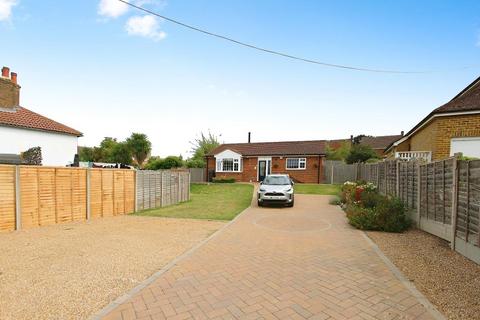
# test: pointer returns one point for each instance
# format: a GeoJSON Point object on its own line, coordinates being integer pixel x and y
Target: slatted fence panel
{"type": "Point", "coordinates": [7, 198]}
{"type": "Point", "coordinates": [161, 188]}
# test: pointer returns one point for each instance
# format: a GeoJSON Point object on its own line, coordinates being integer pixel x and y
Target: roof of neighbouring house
{"type": "Point", "coordinates": [467, 101]}
{"type": "Point", "coordinates": [312, 147]}
{"type": "Point", "coordinates": [24, 118]}
{"type": "Point", "coordinates": [379, 142]}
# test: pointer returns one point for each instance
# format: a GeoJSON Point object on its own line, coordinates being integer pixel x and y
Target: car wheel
{"type": "Point", "coordinates": [259, 204]}
{"type": "Point", "coordinates": [291, 204]}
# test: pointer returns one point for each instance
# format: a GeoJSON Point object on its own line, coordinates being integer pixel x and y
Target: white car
{"type": "Point", "coordinates": [276, 188]}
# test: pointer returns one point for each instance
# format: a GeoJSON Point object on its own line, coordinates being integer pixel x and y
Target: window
{"type": "Point", "coordinates": [228, 165]}
{"type": "Point", "coordinates": [296, 163]}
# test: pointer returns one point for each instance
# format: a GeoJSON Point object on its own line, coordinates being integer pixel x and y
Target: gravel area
{"type": "Point", "coordinates": [450, 281]}
{"type": "Point", "coordinates": [71, 271]}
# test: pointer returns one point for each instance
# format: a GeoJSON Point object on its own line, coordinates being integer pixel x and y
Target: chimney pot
{"type": "Point", "coordinates": [14, 77]}
{"type": "Point", "coordinates": [249, 136]}
{"type": "Point", "coordinates": [6, 72]}
{"type": "Point", "coordinates": [402, 133]}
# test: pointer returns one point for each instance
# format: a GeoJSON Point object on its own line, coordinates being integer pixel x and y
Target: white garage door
{"type": "Point", "coordinates": [470, 147]}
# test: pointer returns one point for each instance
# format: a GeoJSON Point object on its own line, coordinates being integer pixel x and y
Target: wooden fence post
{"type": "Point", "coordinates": [88, 193]}
{"type": "Point", "coordinates": [18, 208]}
{"type": "Point", "coordinates": [453, 221]}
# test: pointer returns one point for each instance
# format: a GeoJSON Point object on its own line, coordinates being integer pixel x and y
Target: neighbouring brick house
{"type": "Point", "coordinates": [21, 129]}
{"type": "Point", "coordinates": [380, 143]}
{"type": "Point", "coordinates": [377, 143]}
{"type": "Point", "coordinates": [250, 162]}
{"type": "Point", "coordinates": [449, 129]}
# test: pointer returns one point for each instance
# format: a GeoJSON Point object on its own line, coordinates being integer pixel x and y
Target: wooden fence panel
{"type": "Point", "coordinates": [47, 196]}
{"type": "Point", "coordinates": [7, 198]}
{"type": "Point", "coordinates": [79, 194]}
{"type": "Point", "coordinates": [129, 191]}
{"type": "Point", "coordinates": [468, 210]}
{"type": "Point", "coordinates": [107, 193]}
{"type": "Point", "coordinates": [96, 193]}
{"type": "Point", "coordinates": [29, 196]}
{"type": "Point", "coordinates": [161, 188]}
{"type": "Point", "coordinates": [118, 193]}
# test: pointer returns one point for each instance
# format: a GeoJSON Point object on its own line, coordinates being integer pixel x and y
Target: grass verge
{"type": "Point", "coordinates": [325, 189]}
{"type": "Point", "coordinates": [208, 201]}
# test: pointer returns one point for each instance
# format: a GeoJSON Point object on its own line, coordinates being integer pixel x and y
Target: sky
{"type": "Point", "coordinates": [109, 70]}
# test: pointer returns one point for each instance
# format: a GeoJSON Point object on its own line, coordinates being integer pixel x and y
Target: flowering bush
{"type": "Point", "coordinates": [366, 209]}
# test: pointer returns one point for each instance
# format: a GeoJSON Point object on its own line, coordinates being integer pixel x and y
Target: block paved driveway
{"type": "Point", "coordinates": [304, 262]}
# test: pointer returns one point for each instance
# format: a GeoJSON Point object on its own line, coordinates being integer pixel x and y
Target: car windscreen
{"type": "Point", "coordinates": [276, 180]}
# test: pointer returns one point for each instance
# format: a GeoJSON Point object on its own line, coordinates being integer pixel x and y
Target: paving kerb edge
{"type": "Point", "coordinates": [408, 284]}
{"type": "Point", "coordinates": [123, 298]}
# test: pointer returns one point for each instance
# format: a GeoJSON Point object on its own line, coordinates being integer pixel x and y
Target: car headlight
{"type": "Point", "coordinates": [261, 189]}
{"type": "Point", "coordinates": [289, 190]}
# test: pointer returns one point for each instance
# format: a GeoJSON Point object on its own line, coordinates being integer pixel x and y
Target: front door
{"type": "Point", "coordinates": [262, 169]}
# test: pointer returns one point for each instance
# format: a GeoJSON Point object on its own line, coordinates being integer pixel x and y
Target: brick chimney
{"type": "Point", "coordinates": [9, 90]}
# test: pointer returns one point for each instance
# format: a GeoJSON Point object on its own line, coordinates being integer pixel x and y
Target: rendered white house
{"type": "Point", "coordinates": [22, 129]}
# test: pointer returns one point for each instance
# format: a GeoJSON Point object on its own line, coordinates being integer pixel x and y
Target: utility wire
{"type": "Point", "coordinates": [251, 46]}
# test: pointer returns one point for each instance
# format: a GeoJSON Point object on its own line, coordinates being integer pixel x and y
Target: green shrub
{"type": "Point", "coordinates": [370, 199]}
{"type": "Point", "coordinates": [392, 214]}
{"type": "Point", "coordinates": [229, 180]}
{"type": "Point", "coordinates": [362, 218]}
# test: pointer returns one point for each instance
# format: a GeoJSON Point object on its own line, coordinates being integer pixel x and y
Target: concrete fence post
{"type": "Point", "coordinates": [18, 208]}
{"type": "Point", "coordinates": [397, 178]}
{"type": "Point", "coordinates": [453, 221]}
{"type": "Point", "coordinates": [419, 192]}
{"type": "Point", "coordinates": [88, 194]}
{"type": "Point", "coordinates": [135, 190]}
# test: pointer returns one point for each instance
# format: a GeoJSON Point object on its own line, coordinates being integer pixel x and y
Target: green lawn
{"type": "Point", "coordinates": [213, 201]}
{"type": "Point", "coordinates": [327, 189]}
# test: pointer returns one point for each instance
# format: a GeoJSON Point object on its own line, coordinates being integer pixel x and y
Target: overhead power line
{"type": "Point", "coordinates": [278, 53]}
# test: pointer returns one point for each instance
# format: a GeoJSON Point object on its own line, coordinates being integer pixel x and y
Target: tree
{"type": "Point", "coordinates": [203, 146]}
{"type": "Point", "coordinates": [156, 163]}
{"type": "Point", "coordinates": [339, 153]}
{"type": "Point", "coordinates": [86, 154]}
{"type": "Point", "coordinates": [121, 153]}
{"type": "Point", "coordinates": [105, 152]}
{"type": "Point", "coordinates": [360, 153]}
{"type": "Point", "coordinates": [195, 163]}
{"type": "Point", "coordinates": [140, 147]}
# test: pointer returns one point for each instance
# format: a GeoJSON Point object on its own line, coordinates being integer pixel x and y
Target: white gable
{"type": "Point", "coordinates": [228, 154]}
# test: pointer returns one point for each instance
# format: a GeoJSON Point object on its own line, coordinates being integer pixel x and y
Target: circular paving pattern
{"type": "Point", "coordinates": [292, 223]}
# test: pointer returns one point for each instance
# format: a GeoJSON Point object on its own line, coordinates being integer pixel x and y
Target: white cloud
{"type": "Point", "coordinates": [6, 9]}
{"type": "Point", "coordinates": [111, 8]}
{"type": "Point", "coordinates": [145, 26]}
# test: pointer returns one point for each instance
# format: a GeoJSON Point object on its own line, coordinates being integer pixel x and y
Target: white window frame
{"type": "Point", "coordinates": [300, 160]}
{"type": "Point", "coordinates": [235, 161]}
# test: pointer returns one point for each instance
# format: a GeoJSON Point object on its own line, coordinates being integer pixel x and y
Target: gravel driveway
{"type": "Point", "coordinates": [70, 271]}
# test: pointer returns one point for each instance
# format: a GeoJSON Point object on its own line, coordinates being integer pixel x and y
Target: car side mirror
{"type": "Point", "coordinates": [293, 183]}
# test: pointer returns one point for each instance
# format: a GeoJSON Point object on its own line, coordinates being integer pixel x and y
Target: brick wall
{"type": "Point", "coordinates": [9, 93]}
{"type": "Point", "coordinates": [455, 127]}
{"type": "Point", "coordinates": [436, 136]}
{"type": "Point", "coordinates": [309, 175]}
{"type": "Point", "coordinates": [312, 174]}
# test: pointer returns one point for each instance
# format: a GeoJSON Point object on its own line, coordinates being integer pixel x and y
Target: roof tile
{"type": "Point", "coordinates": [24, 118]}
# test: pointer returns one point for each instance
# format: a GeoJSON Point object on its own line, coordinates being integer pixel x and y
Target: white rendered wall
{"type": "Point", "coordinates": [57, 149]}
